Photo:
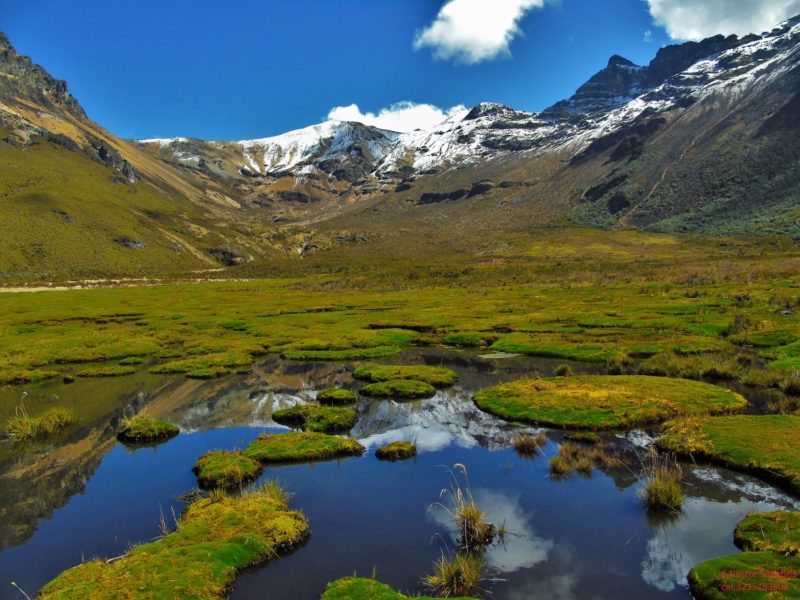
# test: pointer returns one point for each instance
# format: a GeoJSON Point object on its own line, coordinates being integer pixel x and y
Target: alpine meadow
{"type": "Point", "coordinates": [475, 352]}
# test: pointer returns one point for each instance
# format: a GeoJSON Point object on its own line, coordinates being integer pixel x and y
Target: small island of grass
{"type": "Point", "coordinates": [215, 538]}
{"type": "Point", "coordinates": [403, 389]}
{"type": "Point", "coordinates": [777, 531]}
{"type": "Point", "coordinates": [300, 447]}
{"type": "Point", "coordinates": [435, 376]}
{"type": "Point", "coordinates": [333, 396]}
{"type": "Point", "coordinates": [768, 445]}
{"type": "Point", "coordinates": [763, 570]}
{"type": "Point", "coordinates": [360, 588]}
{"type": "Point", "coordinates": [604, 401]}
{"type": "Point", "coordinates": [312, 417]}
{"type": "Point", "coordinates": [143, 429]}
{"type": "Point", "coordinates": [396, 451]}
{"type": "Point", "coordinates": [224, 469]}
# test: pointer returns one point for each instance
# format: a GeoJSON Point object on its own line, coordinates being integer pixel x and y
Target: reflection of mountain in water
{"type": "Point", "coordinates": [43, 479]}
{"type": "Point", "coordinates": [450, 417]}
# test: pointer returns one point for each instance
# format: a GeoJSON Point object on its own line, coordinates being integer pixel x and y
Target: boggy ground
{"type": "Point", "coordinates": [604, 401]}
{"type": "Point", "coordinates": [768, 445]}
{"type": "Point", "coordinates": [699, 307]}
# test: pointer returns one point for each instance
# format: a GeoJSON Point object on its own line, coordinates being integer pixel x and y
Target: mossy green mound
{"type": "Point", "coordinates": [106, 371]}
{"type": "Point", "coordinates": [435, 376]}
{"type": "Point", "coordinates": [359, 588]}
{"type": "Point", "coordinates": [396, 451]}
{"type": "Point", "coordinates": [777, 531]}
{"type": "Point", "coordinates": [766, 444]}
{"type": "Point", "coordinates": [345, 354]}
{"type": "Point", "coordinates": [304, 446]}
{"type": "Point", "coordinates": [769, 567]}
{"type": "Point", "coordinates": [404, 389]}
{"type": "Point", "coordinates": [312, 417]}
{"type": "Point", "coordinates": [604, 401]}
{"type": "Point", "coordinates": [336, 396]}
{"type": "Point", "coordinates": [215, 539]}
{"type": "Point", "coordinates": [208, 366]}
{"type": "Point", "coordinates": [142, 429]}
{"type": "Point", "coordinates": [747, 576]}
{"type": "Point", "coordinates": [225, 469]}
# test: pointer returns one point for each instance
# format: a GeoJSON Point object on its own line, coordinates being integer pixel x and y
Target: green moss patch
{"type": "Point", "coordinates": [582, 352]}
{"type": "Point", "coordinates": [347, 354]}
{"type": "Point", "coordinates": [405, 389]}
{"type": "Point", "coordinates": [312, 417]}
{"type": "Point", "coordinates": [359, 588]}
{"type": "Point", "coordinates": [604, 401]}
{"type": "Point", "coordinates": [214, 540]}
{"type": "Point", "coordinates": [766, 444]}
{"type": "Point", "coordinates": [336, 396]}
{"type": "Point", "coordinates": [777, 531]}
{"type": "Point", "coordinates": [207, 366]}
{"type": "Point", "coordinates": [435, 376]}
{"type": "Point", "coordinates": [396, 451]}
{"type": "Point", "coordinates": [224, 469]}
{"type": "Point", "coordinates": [300, 447]}
{"type": "Point", "coordinates": [746, 576]}
{"type": "Point", "coordinates": [142, 429]}
{"type": "Point", "coordinates": [106, 371]}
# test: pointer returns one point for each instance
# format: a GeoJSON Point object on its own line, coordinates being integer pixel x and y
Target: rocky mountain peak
{"type": "Point", "coordinates": [619, 61]}
{"type": "Point", "coordinates": [27, 80]}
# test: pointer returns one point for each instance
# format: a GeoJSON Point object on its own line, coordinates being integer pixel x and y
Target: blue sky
{"type": "Point", "coordinates": [245, 69]}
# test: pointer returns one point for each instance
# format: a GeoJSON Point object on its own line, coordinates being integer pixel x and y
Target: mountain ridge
{"type": "Point", "coordinates": [702, 139]}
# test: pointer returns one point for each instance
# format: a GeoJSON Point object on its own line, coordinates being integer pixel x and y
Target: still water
{"type": "Point", "coordinates": [580, 538]}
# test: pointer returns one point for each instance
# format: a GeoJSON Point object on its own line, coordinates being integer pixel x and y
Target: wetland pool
{"type": "Point", "coordinates": [580, 538]}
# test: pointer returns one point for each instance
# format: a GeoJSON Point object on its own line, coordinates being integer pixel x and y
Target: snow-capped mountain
{"type": "Point", "coordinates": [614, 98]}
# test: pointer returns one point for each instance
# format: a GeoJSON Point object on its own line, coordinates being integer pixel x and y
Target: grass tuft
{"type": "Point", "coordinates": [662, 489]}
{"type": "Point", "coordinates": [529, 444]}
{"type": "Point", "coordinates": [23, 427]}
{"type": "Point", "coordinates": [457, 576]}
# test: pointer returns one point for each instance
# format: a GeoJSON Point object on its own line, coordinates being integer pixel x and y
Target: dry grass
{"type": "Point", "coordinates": [529, 444]}
{"type": "Point", "coordinates": [23, 427]}
{"type": "Point", "coordinates": [456, 576]}
{"type": "Point", "coordinates": [662, 490]}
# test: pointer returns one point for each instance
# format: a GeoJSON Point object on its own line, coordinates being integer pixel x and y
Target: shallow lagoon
{"type": "Point", "coordinates": [582, 538]}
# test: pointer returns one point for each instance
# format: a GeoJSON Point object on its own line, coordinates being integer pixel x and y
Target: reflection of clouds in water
{"type": "Point", "coordinates": [427, 440]}
{"type": "Point", "coordinates": [557, 587]}
{"type": "Point", "coordinates": [522, 547]}
{"type": "Point", "coordinates": [703, 531]}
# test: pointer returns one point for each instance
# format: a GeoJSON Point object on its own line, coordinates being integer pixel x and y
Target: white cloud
{"type": "Point", "coordinates": [698, 19]}
{"type": "Point", "coordinates": [403, 116]}
{"type": "Point", "coordinates": [471, 31]}
{"type": "Point", "coordinates": [648, 36]}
